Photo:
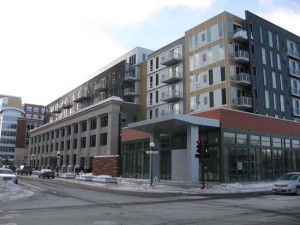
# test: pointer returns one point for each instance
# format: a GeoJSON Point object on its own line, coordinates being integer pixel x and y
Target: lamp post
{"type": "Point", "coordinates": [151, 152]}
{"type": "Point", "coordinates": [32, 160]}
{"type": "Point", "coordinates": [58, 162]}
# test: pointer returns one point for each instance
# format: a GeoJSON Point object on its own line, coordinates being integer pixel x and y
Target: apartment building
{"type": "Point", "coordinates": [34, 116]}
{"type": "Point", "coordinates": [85, 122]}
{"type": "Point", "coordinates": [238, 91]}
{"type": "Point", "coordinates": [10, 111]}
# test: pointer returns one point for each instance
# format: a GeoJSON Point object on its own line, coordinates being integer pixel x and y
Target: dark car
{"type": "Point", "coordinates": [11, 167]}
{"type": "Point", "coordinates": [46, 173]}
{"type": "Point", "coordinates": [24, 169]}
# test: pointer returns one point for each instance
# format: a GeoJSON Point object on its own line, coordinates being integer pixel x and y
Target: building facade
{"type": "Point", "coordinates": [86, 121]}
{"type": "Point", "coordinates": [245, 68]}
{"type": "Point", "coordinates": [10, 111]}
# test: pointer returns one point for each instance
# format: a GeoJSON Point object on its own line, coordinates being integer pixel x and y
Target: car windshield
{"type": "Point", "coordinates": [6, 171]}
{"type": "Point", "coordinates": [289, 177]}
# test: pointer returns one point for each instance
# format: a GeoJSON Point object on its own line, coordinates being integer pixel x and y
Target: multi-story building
{"type": "Point", "coordinates": [86, 121]}
{"type": "Point", "coordinates": [33, 118]}
{"type": "Point", "coordinates": [240, 92]}
{"type": "Point", "coordinates": [10, 111]}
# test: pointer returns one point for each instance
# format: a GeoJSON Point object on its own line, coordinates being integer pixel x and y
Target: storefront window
{"type": "Point", "coordinates": [241, 139]}
{"type": "Point", "coordinates": [254, 140]}
{"type": "Point", "coordinates": [229, 137]}
{"type": "Point", "coordinates": [265, 141]}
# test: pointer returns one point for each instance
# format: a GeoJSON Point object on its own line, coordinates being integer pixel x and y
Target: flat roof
{"type": "Point", "coordinates": [177, 123]}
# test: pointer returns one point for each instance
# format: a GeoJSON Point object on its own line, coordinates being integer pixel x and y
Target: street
{"type": "Point", "coordinates": [57, 202]}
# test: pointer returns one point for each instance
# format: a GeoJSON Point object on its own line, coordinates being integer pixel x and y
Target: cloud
{"type": "Point", "coordinates": [285, 18]}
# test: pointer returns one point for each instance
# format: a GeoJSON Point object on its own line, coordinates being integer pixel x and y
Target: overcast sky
{"type": "Point", "coordinates": [47, 48]}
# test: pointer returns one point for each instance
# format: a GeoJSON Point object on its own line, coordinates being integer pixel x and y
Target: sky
{"type": "Point", "coordinates": [48, 48]}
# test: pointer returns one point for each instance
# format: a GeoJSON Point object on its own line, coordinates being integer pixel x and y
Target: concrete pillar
{"type": "Point", "coordinates": [64, 152]}
{"type": "Point", "coordinates": [87, 146]}
{"type": "Point", "coordinates": [78, 151]}
{"type": "Point", "coordinates": [98, 131]}
{"type": "Point", "coordinates": [71, 162]}
{"type": "Point", "coordinates": [192, 162]}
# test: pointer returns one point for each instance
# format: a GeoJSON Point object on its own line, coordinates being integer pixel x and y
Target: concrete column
{"type": "Point", "coordinates": [64, 152]}
{"type": "Point", "coordinates": [78, 151]}
{"type": "Point", "coordinates": [113, 133]}
{"type": "Point", "coordinates": [98, 131]}
{"type": "Point", "coordinates": [192, 162]}
{"type": "Point", "coordinates": [87, 146]}
{"type": "Point", "coordinates": [155, 137]}
{"type": "Point", "coordinates": [71, 162]}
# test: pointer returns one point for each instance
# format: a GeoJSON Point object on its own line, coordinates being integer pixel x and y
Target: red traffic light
{"type": "Point", "coordinates": [198, 142]}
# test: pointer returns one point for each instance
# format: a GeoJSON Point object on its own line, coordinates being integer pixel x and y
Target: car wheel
{"type": "Point", "coordinates": [298, 191]}
{"type": "Point", "coordinates": [16, 181]}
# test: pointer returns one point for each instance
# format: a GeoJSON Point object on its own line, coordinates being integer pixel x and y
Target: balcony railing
{"type": "Point", "coordinates": [241, 56]}
{"type": "Point", "coordinates": [56, 109]}
{"type": "Point", "coordinates": [294, 72]}
{"type": "Point", "coordinates": [130, 76]}
{"type": "Point", "coordinates": [244, 102]}
{"type": "Point", "coordinates": [293, 53]}
{"type": "Point", "coordinates": [129, 92]}
{"type": "Point", "coordinates": [170, 58]}
{"type": "Point", "coordinates": [240, 35]}
{"type": "Point", "coordinates": [243, 78]}
{"type": "Point", "coordinates": [296, 111]}
{"type": "Point", "coordinates": [171, 96]}
{"type": "Point", "coordinates": [166, 112]}
{"type": "Point", "coordinates": [81, 96]}
{"type": "Point", "coordinates": [170, 77]}
{"type": "Point", "coordinates": [295, 91]}
{"type": "Point", "coordinates": [99, 86]}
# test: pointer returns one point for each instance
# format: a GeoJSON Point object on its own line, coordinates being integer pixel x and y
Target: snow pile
{"type": "Point", "coordinates": [10, 191]}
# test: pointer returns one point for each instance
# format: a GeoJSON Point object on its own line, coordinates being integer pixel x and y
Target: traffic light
{"type": "Point", "coordinates": [199, 149]}
{"type": "Point", "coordinates": [206, 153]}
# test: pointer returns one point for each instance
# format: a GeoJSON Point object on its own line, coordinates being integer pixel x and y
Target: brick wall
{"type": "Point", "coordinates": [106, 165]}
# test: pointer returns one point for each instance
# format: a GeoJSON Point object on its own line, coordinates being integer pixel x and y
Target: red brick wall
{"type": "Point", "coordinates": [106, 165]}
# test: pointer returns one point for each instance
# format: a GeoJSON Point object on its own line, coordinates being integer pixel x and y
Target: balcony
{"type": "Point", "coordinates": [241, 56]}
{"type": "Point", "coordinates": [170, 77]}
{"type": "Point", "coordinates": [244, 102]}
{"type": "Point", "coordinates": [243, 78]}
{"type": "Point", "coordinates": [66, 105]}
{"type": "Point", "coordinates": [171, 96]}
{"type": "Point", "coordinates": [293, 53]}
{"type": "Point", "coordinates": [295, 91]}
{"type": "Point", "coordinates": [294, 72]}
{"type": "Point", "coordinates": [99, 87]}
{"type": "Point", "coordinates": [56, 110]}
{"type": "Point", "coordinates": [170, 58]}
{"type": "Point", "coordinates": [240, 35]}
{"type": "Point", "coordinates": [166, 112]}
{"type": "Point", "coordinates": [130, 92]}
{"type": "Point", "coordinates": [81, 96]}
{"type": "Point", "coordinates": [130, 77]}
{"type": "Point", "coordinates": [296, 111]}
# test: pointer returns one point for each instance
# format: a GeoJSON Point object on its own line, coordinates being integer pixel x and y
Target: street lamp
{"type": "Point", "coordinates": [151, 152]}
{"type": "Point", "coordinates": [58, 162]}
{"type": "Point", "coordinates": [32, 160]}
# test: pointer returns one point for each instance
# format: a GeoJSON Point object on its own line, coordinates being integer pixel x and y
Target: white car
{"type": "Point", "coordinates": [288, 183]}
{"type": "Point", "coordinates": [8, 174]}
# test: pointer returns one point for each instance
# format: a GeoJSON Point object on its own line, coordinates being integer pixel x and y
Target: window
{"type": "Point", "coordinates": [281, 82]}
{"type": "Point", "coordinates": [93, 123]}
{"type": "Point", "coordinates": [83, 126]}
{"type": "Point", "coordinates": [68, 144]}
{"type": "Point", "coordinates": [83, 142]}
{"type": "Point", "coordinates": [124, 117]}
{"type": "Point", "coordinates": [156, 96]}
{"type": "Point", "coordinates": [277, 41]}
{"type": "Point", "coordinates": [93, 141]}
{"type": "Point", "coordinates": [270, 39]}
{"type": "Point", "coordinates": [150, 114]}
{"type": "Point", "coordinates": [278, 61]}
{"type": "Point", "coordinates": [271, 58]}
{"type": "Point", "coordinates": [36, 109]}
{"type": "Point", "coordinates": [103, 139]}
{"type": "Point", "coordinates": [223, 91]}
{"type": "Point", "coordinates": [157, 62]}
{"type": "Point", "coordinates": [265, 78]}
{"type": "Point", "coordinates": [104, 121]}
{"type": "Point", "coordinates": [210, 77]}
{"type": "Point", "coordinates": [150, 98]}
{"type": "Point", "coordinates": [274, 80]}
{"type": "Point", "coordinates": [263, 55]}
{"type": "Point", "coordinates": [75, 128]}
{"type": "Point", "coordinates": [69, 130]}
{"type": "Point", "coordinates": [222, 73]}
{"type": "Point", "coordinates": [208, 34]}
{"type": "Point", "coordinates": [282, 103]}
{"type": "Point", "coordinates": [29, 109]}
{"type": "Point", "coordinates": [254, 140]}
{"type": "Point", "coordinates": [267, 102]}
{"type": "Point", "coordinates": [211, 99]}
{"type": "Point", "coordinates": [151, 82]}
{"type": "Point", "coordinates": [157, 79]}
{"type": "Point", "coordinates": [261, 35]}
{"type": "Point", "coordinates": [151, 65]}
{"type": "Point", "coordinates": [204, 57]}
{"type": "Point", "coordinates": [203, 37]}
{"type": "Point", "coordinates": [274, 97]}
{"type": "Point", "coordinates": [205, 78]}
{"type": "Point", "coordinates": [75, 143]}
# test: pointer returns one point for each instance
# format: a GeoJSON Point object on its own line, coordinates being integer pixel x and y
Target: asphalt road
{"type": "Point", "coordinates": [64, 203]}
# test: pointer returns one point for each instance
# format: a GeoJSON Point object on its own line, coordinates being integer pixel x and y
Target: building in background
{"type": "Point", "coordinates": [33, 118]}
{"type": "Point", "coordinates": [10, 111]}
{"type": "Point", "coordinates": [85, 122]}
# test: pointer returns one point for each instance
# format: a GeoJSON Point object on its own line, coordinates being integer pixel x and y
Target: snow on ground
{"type": "Point", "coordinates": [10, 191]}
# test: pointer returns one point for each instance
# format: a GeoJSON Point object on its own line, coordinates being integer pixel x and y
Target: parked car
{"type": "Point", "coordinates": [12, 167]}
{"type": "Point", "coordinates": [24, 169]}
{"type": "Point", "coordinates": [288, 183]}
{"type": "Point", "coordinates": [8, 174]}
{"type": "Point", "coordinates": [46, 173]}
